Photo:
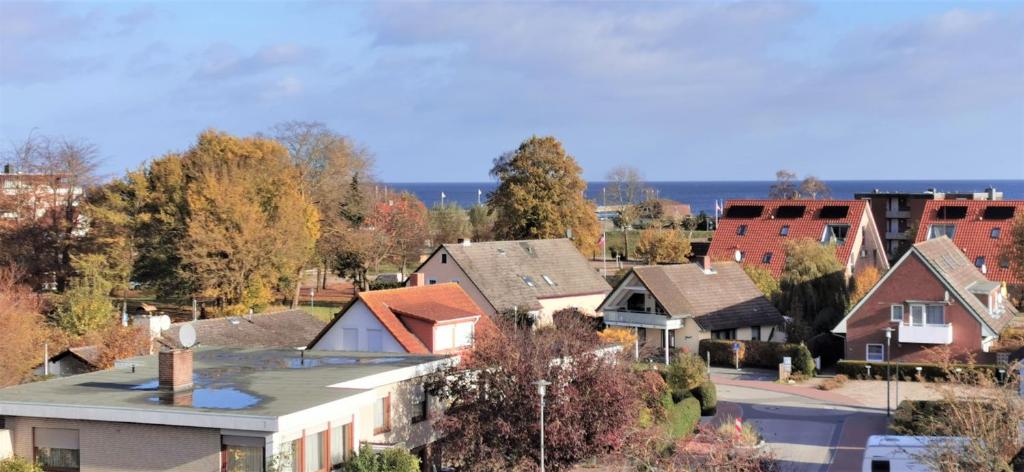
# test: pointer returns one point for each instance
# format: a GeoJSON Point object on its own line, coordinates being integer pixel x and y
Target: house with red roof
{"type": "Point", "coordinates": [755, 232]}
{"type": "Point", "coordinates": [979, 228]}
{"type": "Point", "coordinates": [420, 319]}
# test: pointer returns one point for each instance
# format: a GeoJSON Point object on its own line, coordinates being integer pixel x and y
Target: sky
{"type": "Point", "coordinates": [719, 90]}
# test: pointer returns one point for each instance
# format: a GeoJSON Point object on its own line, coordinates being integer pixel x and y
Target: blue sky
{"type": "Point", "coordinates": [683, 91]}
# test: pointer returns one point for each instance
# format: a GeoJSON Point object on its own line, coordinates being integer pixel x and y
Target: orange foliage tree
{"type": "Point", "coordinates": [23, 327]}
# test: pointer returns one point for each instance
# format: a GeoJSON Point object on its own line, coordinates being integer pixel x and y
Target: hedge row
{"type": "Point", "coordinates": [753, 354]}
{"type": "Point", "coordinates": [682, 417]}
{"type": "Point", "coordinates": [915, 417]}
{"type": "Point", "coordinates": [858, 370]}
{"type": "Point", "coordinates": [707, 394]}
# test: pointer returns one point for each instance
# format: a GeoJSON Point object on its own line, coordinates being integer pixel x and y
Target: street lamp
{"type": "Point", "coordinates": [888, 360]}
{"type": "Point", "coordinates": [542, 388]}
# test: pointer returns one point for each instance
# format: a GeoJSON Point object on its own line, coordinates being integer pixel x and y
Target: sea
{"type": "Point", "coordinates": [701, 196]}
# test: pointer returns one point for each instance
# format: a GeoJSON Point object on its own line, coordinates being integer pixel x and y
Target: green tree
{"type": "Point", "coordinates": [663, 246]}
{"type": "Point", "coordinates": [393, 459]}
{"type": "Point", "coordinates": [764, 281]}
{"type": "Point", "coordinates": [1013, 250]}
{"type": "Point", "coordinates": [353, 208]}
{"type": "Point", "coordinates": [813, 285]}
{"type": "Point", "coordinates": [540, 195]}
{"type": "Point", "coordinates": [448, 223]}
{"type": "Point", "coordinates": [85, 306]}
{"type": "Point", "coordinates": [17, 464]}
{"type": "Point", "coordinates": [481, 223]}
{"type": "Point", "coordinates": [803, 362]}
{"type": "Point", "coordinates": [686, 372]}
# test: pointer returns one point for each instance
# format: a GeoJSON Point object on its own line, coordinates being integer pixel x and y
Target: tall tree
{"type": "Point", "coordinates": [813, 189]}
{"type": "Point", "coordinates": [813, 285]}
{"type": "Point", "coordinates": [448, 223]}
{"type": "Point", "coordinates": [540, 195]}
{"type": "Point", "coordinates": [481, 223]}
{"type": "Point", "coordinates": [625, 186]}
{"type": "Point", "coordinates": [23, 327]}
{"type": "Point", "coordinates": [663, 246]}
{"type": "Point", "coordinates": [400, 228]}
{"type": "Point", "coordinates": [785, 187]}
{"type": "Point", "coordinates": [85, 306]}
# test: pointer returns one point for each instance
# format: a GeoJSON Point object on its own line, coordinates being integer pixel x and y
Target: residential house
{"type": "Point", "coordinates": [898, 213]}
{"type": "Point", "coordinates": [424, 319]}
{"type": "Point", "coordinates": [283, 329]}
{"type": "Point", "coordinates": [981, 229]}
{"type": "Point", "coordinates": [675, 306]}
{"type": "Point", "coordinates": [934, 297]}
{"type": "Point", "coordinates": [224, 410]}
{"type": "Point", "coordinates": [71, 361]}
{"type": "Point", "coordinates": [755, 232]}
{"type": "Point", "coordinates": [538, 276]}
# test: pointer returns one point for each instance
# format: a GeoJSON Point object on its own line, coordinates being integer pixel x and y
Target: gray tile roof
{"type": "Point", "coordinates": [500, 270]}
{"type": "Point", "coordinates": [286, 329]}
{"type": "Point", "coordinates": [724, 299]}
{"type": "Point", "coordinates": [950, 263]}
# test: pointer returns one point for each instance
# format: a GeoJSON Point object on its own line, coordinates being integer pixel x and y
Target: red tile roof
{"type": "Point", "coordinates": [763, 233]}
{"type": "Point", "coordinates": [973, 232]}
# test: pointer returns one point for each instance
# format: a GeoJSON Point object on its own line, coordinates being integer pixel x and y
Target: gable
{"type": "Point", "coordinates": [359, 318]}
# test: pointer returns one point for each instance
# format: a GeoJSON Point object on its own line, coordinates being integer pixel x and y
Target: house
{"type": "Point", "coordinates": [285, 329]}
{"type": "Point", "coordinates": [898, 213]}
{"type": "Point", "coordinates": [538, 276]}
{"type": "Point", "coordinates": [219, 409]}
{"type": "Point", "coordinates": [934, 297]}
{"type": "Point", "coordinates": [675, 306]}
{"type": "Point", "coordinates": [71, 361]}
{"type": "Point", "coordinates": [981, 229]}
{"type": "Point", "coordinates": [754, 232]}
{"type": "Point", "coordinates": [425, 319]}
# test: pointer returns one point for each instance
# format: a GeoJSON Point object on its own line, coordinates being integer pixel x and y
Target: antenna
{"type": "Point", "coordinates": [187, 336]}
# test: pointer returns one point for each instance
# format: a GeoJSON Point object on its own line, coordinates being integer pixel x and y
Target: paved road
{"type": "Point", "coordinates": [821, 434]}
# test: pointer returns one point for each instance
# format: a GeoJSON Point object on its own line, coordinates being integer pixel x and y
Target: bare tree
{"type": "Point", "coordinates": [625, 186]}
{"type": "Point", "coordinates": [785, 186]}
{"type": "Point", "coordinates": [812, 188]}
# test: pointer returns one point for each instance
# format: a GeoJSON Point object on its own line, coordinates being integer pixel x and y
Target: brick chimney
{"type": "Point", "coordinates": [417, 279]}
{"type": "Point", "coordinates": [175, 367]}
{"type": "Point", "coordinates": [706, 262]}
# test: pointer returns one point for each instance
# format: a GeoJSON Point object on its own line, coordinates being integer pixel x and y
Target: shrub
{"type": "Point", "coordinates": [858, 370]}
{"type": "Point", "coordinates": [17, 464]}
{"type": "Point", "coordinates": [389, 460]}
{"type": "Point", "coordinates": [682, 417]}
{"type": "Point", "coordinates": [707, 394]}
{"type": "Point", "coordinates": [686, 372]}
{"type": "Point", "coordinates": [803, 362]}
{"type": "Point", "coordinates": [835, 382]}
{"type": "Point", "coordinates": [651, 388]}
{"type": "Point", "coordinates": [621, 336]}
{"type": "Point", "coordinates": [752, 353]}
{"type": "Point", "coordinates": [380, 284]}
{"type": "Point", "coordinates": [749, 436]}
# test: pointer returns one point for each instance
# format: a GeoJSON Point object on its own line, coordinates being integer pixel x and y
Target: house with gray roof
{"type": "Point", "coordinates": [537, 276]}
{"type": "Point", "coordinates": [933, 297]}
{"type": "Point", "coordinates": [675, 306]}
{"type": "Point", "coordinates": [283, 329]}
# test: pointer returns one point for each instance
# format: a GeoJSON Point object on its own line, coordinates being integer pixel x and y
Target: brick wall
{"type": "Point", "coordinates": [175, 369]}
{"type": "Point", "coordinates": [115, 447]}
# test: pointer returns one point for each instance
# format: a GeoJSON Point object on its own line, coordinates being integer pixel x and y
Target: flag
{"type": "Point", "coordinates": [479, 192]}
{"type": "Point", "coordinates": [601, 241]}
{"type": "Point", "coordinates": [718, 207]}
{"type": "Point", "coordinates": [443, 195]}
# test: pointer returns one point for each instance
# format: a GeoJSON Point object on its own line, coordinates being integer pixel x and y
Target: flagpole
{"type": "Point", "coordinates": [478, 193]}
{"type": "Point", "coordinates": [604, 250]}
{"type": "Point", "coordinates": [442, 199]}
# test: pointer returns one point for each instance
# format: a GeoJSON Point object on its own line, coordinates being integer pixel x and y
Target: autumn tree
{"type": "Point", "coordinates": [448, 223]}
{"type": "Point", "coordinates": [812, 188]}
{"type": "Point", "coordinates": [862, 283]}
{"type": "Point", "coordinates": [492, 420]}
{"type": "Point", "coordinates": [23, 327]}
{"type": "Point", "coordinates": [662, 246]}
{"type": "Point", "coordinates": [1013, 250]}
{"type": "Point", "coordinates": [813, 286]}
{"type": "Point", "coordinates": [400, 229]}
{"type": "Point", "coordinates": [481, 223]}
{"type": "Point", "coordinates": [85, 306]}
{"type": "Point", "coordinates": [763, 280]}
{"type": "Point", "coordinates": [540, 195]}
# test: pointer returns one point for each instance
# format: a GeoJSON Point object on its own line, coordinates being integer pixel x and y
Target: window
{"type": "Point", "coordinates": [549, 281]}
{"type": "Point", "coordinates": [1004, 262]}
{"type": "Point", "coordinates": [382, 415]}
{"type": "Point", "coordinates": [724, 334]}
{"type": "Point", "coordinates": [290, 455]}
{"type": "Point", "coordinates": [755, 333]}
{"type": "Point", "coordinates": [936, 231]}
{"type": "Point", "coordinates": [835, 234]}
{"type": "Point", "coordinates": [641, 336]}
{"type": "Point", "coordinates": [741, 230]}
{"type": "Point", "coordinates": [350, 339]}
{"type": "Point", "coordinates": [56, 449]}
{"type": "Point", "coordinates": [374, 340]}
{"type": "Point", "coordinates": [419, 404]}
{"type": "Point", "coordinates": [979, 261]}
{"type": "Point", "coordinates": [529, 281]}
{"type": "Point", "coordinates": [896, 313]}
{"type": "Point", "coordinates": [880, 465]}
{"type": "Point", "coordinates": [767, 258]}
{"type": "Point", "coordinates": [936, 315]}
{"type": "Point", "coordinates": [432, 282]}
{"type": "Point", "coordinates": [444, 258]}
{"type": "Point", "coordinates": [917, 315]}
{"type": "Point", "coordinates": [242, 453]}
{"type": "Point", "coordinates": [784, 231]}
{"type": "Point", "coordinates": [341, 444]}
{"type": "Point", "coordinates": [995, 233]}
{"type": "Point", "coordinates": [636, 302]}
{"type": "Point", "coordinates": [314, 451]}
{"type": "Point", "coordinates": [875, 352]}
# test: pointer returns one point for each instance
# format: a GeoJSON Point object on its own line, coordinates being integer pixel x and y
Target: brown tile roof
{"type": "Point", "coordinates": [286, 329]}
{"type": "Point", "coordinates": [952, 265]}
{"type": "Point", "coordinates": [763, 232]}
{"type": "Point", "coordinates": [724, 299]}
{"type": "Point", "coordinates": [433, 303]}
{"type": "Point", "coordinates": [973, 232]}
{"type": "Point", "coordinates": [499, 268]}
{"type": "Point", "coordinates": [90, 355]}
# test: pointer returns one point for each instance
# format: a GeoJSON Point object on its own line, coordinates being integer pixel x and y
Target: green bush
{"type": "Point", "coordinates": [682, 417]}
{"type": "Point", "coordinates": [686, 372]}
{"type": "Point", "coordinates": [803, 362]}
{"type": "Point", "coordinates": [858, 370]}
{"type": "Point", "coordinates": [707, 394]}
{"type": "Point", "coordinates": [389, 460]}
{"type": "Point", "coordinates": [914, 417]}
{"type": "Point", "coordinates": [752, 353]}
{"type": "Point", "coordinates": [17, 464]}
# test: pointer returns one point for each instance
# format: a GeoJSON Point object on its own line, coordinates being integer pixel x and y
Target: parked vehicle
{"type": "Point", "coordinates": [900, 453]}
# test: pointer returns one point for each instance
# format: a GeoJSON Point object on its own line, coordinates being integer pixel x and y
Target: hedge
{"type": "Point", "coordinates": [914, 417]}
{"type": "Point", "coordinates": [682, 417]}
{"type": "Point", "coordinates": [752, 353]}
{"type": "Point", "coordinates": [707, 394]}
{"type": "Point", "coordinates": [858, 370]}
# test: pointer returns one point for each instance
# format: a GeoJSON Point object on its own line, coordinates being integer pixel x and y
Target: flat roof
{"type": "Point", "coordinates": [256, 383]}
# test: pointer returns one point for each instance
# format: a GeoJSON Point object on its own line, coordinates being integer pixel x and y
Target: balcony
{"type": "Point", "coordinates": [927, 334]}
{"type": "Point", "coordinates": [897, 213]}
{"type": "Point", "coordinates": [894, 235]}
{"type": "Point", "coordinates": [639, 319]}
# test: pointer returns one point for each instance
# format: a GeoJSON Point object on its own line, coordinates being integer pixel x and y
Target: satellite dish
{"type": "Point", "coordinates": [187, 336]}
{"type": "Point", "coordinates": [738, 256]}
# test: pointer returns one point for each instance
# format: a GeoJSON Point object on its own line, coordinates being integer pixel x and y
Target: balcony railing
{"type": "Point", "coordinates": [641, 319]}
{"type": "Point", "coordinates": [927, 334]}
{"type": "Point", "coordinates": [893, 235]}
{"type": "Point", "coordinates": [897, 213]}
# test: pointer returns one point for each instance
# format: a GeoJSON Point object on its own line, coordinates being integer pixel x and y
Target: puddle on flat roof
{"type": "Point", "coordinates": [213, 398]}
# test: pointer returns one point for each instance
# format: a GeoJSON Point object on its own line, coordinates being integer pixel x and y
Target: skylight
{"type": "Point", "coordinates": [529, 281]}
{"type": "Point", "coordinates": [950, 212]}
{"type": "Point", "coordinates": [548, 280]}
{"type": "Point", "coordinates": [784, 231]}
{"type": "Point", "coordinates": [744, 211]}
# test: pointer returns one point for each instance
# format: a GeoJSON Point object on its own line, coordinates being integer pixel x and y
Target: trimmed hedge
{"type": "Point", "coordinates": [753, 354]}
{"type": "Point", "coordinates": [858, 370]}
{"type": "Point", "coordinates": [707, 394]}
{"type": "Point", "coordinates": [914, 417]}
{"type": "Point", "coordinates": [682, 417]}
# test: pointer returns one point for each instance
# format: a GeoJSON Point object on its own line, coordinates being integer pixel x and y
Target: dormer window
{"type": "Point", "coordinates": [936, 231]}
{"type": "Point", "coordinates": [995, 233]}
{"type": "Point", "coordinates": [741, 230]}
{"type": "Point", "coordinates": [835, 234]}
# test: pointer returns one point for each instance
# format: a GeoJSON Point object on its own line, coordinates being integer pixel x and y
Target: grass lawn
{"type": "Point", "coordinates": [325, 313]}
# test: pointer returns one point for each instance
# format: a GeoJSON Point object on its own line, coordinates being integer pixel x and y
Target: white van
{"type": "Point", "coordinates": [899, 453]}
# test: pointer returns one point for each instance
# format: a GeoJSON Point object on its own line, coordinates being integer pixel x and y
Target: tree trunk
{"type": "Point", "coordinates": [298, 290]}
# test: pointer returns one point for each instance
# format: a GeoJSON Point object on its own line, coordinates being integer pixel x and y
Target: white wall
{"type": "Point", "coordinates": [450, 272]}
{"type": "Point", "coordinates": [357, 317]}
{"type": "Point", "coordinates": [586, 303]}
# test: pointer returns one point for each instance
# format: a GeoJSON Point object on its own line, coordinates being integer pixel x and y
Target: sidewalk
{"type": "Point", "coordinates": [823, 395]}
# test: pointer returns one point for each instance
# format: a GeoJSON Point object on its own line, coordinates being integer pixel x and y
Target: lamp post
{"type": "Point", "coordinates": [888, 360]}
{"type": "Point", "coordinates": [542, 387]}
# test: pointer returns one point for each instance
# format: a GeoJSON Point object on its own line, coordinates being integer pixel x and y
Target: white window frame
{"type": "Point", "coordinates": [943, 311]}
{"type": "Point", "coordinates": [924, 313]}
{"type": "Point", "coordinates": [892, 313]}
{"type": "Point", "coordinates": [867, 352]}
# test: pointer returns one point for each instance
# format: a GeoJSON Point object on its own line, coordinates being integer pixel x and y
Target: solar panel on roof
{"type": "Point", "coordinates": [744, 211]}
{"type": "Point", "coordinates": [950, 212]}
{"type": "Point", "coordinates": [834, 211]}
{"type": "Point", "coordinates": [998, 213]}
{"type": "Point", "coordinates": [790, 211]}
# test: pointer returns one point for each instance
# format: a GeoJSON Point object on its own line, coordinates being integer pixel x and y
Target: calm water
{"type": "Point", "coordinates": [702, 195]}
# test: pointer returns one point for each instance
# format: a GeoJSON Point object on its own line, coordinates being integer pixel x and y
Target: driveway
{"type": "Point", "coordinates": [808, 430]}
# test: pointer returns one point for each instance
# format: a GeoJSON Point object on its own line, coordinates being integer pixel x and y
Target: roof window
{"type": "Point", "coordinates": [784, 231]}
{"type": "Point", "coordinates": [529, 281]}
{"type": "Point", "coordinates": [767, 258]}
{"type": "Point", "coordinates": [742, 230]}
{"type": "Point", "coordinates": [936, 231]}
{"type": "Point", "coordinates": [548, 280]}
{"type": "Point", "coordinates": [833, 212]}
{"type": "Point", "coordinates": [998, 213]}
{"type": "Point", "coordinates": [951, 212]}
{"type": "Point", "coordinates": [790, 211]}
{"type": "Point", "coordinates": [744, 211]}
{"type": "Point", "coordinates": [995, 233]}
{"type": "Point", "coordinates": [979, 261]}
